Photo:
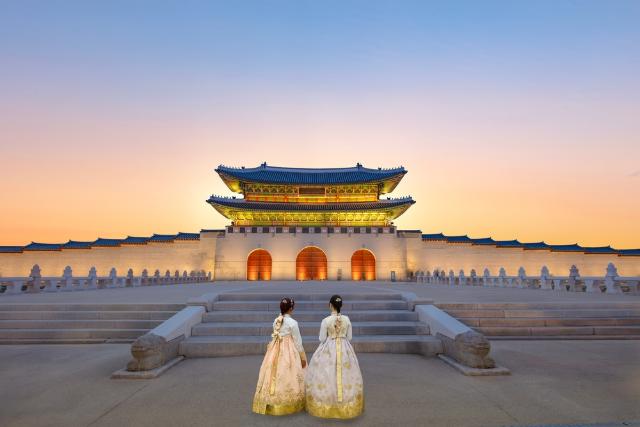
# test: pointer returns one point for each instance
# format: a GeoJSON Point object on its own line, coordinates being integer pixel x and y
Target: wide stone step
{"type": "Point", "coordinates": [311, 316]}
{"type": "Point", "coordinates": [91, 307]}
{"type": "Point", "coordinates": [311, 328]}
{"type": "Point", "coordinates": [298, 297]}
{"type": "Point", "coordinates": [274, 306]}
{"type": "Point", "coordinates": [562, 337]}
{"type": "Point", "coordinates": [22, 341]}
{"type": "Point", "coordinates": [220, 346]}
{"type": "Point", "coordinates": [70, 334]}
{"type": "Point", "coordinates": [559, 331]}
{"type": "Point", "coordinates": [539, 305]}
{"type": "Point", "coordinates": [524, 321]}
{"type": "Point", "coordinates": [79, 324]}
{"type": "Point", "coordinates": [85, 315]}
{"type": "Point", "coordinates": [556, 313]}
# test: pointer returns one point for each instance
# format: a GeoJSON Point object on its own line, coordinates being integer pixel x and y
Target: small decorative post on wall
{"type": "Point", "coordinates": [67, 279]}
{"type": "Point", "coordinates": [35, 279]}
{"type": "Point", "coordinates": [545, 283]}
{"type": "Point", "coordinates": [610, 280]}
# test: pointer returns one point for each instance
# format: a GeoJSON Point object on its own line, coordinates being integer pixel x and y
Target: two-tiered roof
{"type": "Point", "coordinates": [302, 196]}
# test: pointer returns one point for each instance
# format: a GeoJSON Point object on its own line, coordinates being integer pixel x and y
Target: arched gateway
{"type": "Point", "coordinates": [363, 265]}
{"type": "Point", "coordinates": [259, 265]}
{"type": "Point", "coordinates": [311, 264]}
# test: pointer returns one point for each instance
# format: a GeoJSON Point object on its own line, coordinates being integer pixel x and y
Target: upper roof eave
{"type": "Point", "coordinates": [308, 176]}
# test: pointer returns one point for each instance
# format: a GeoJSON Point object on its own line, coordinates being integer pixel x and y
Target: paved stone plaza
{"type": "Point", "coordinates": [552, 382]}
{"type": "Point", "coordinates": [439, 293]}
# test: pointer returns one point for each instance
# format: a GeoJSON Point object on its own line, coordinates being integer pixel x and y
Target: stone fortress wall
{"type": "Point", "coordinates": [443, 256]}
{"type": "Point", "coordinates": [225, 256]}
{"type": "Point", "coordinates": [184, 255]}
{"type": "Point", "coordinates": [234, 248]}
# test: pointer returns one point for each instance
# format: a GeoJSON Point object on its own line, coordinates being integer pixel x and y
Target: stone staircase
{"type": "Point", "coordinates": [79, 323]}
{"type": "Point", "coordinates": [602, 320]}
{"type": "Point", "coordinates": [241, 323]}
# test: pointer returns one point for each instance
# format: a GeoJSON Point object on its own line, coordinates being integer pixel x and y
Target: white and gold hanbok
{"type": "Point", "coordinates": [334, 381]}
{"type": "Point", "coordinates": [280, 389]}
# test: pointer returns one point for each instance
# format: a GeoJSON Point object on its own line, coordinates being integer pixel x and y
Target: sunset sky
{"type": "Point", "coordinates": [514, 119]}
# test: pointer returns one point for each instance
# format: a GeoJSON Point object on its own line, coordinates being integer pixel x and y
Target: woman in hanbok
{"type": "Point", "coordinates": [280, 389]}
{"type": "Point", "coordinates": [334, 381]}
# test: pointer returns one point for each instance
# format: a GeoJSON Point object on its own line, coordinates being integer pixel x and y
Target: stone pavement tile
{"type": "Point", "coordinates": [552, 382]}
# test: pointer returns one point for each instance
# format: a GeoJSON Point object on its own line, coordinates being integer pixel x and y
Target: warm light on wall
{"type": "Point", "coordinates": [259, 265]}
{"type": "Point", "coordinates": [363, 265]}
{"type": "Point", "coordinates": [311, 264]}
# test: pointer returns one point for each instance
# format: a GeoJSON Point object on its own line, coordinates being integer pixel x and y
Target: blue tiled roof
{"type": "Point", "coordinates": [508, 244]}
{"type": "Point", "coordinates": [566, 248]}
{"type": "Point", "coordinates": [629, 252]}
{"type": "Point", "coordinates": [133, 240]}
{"type": "Point", "coordinates": [435, 236]}
{"type": "Point", "coordinates": [72, 244]}
{"type": "Point", "coordinates": [188, 236]}
{"type": "Point", "coordinates": [281, 175]}
{"type": "Point", "coordinates": [163, 238]}
{"type": "Point", "coordinates": [33, 246]}
{"type": "Point", "coordinates": [600, 250]}
{"type": "Point", "coordinates": [483, 241]}
{"type": "Point", "coordinates": [10, 249]}
{"type": "Point", "coordinates": [458, 239]}
{"type": "Point", "coordinates": [535, 245]}
{"type": "Point", "coordinates": [312, 207]}
{"type": "Point", "coordinates": [106, 242]}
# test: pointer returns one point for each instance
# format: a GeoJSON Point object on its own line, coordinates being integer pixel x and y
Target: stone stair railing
{"type": "Point", "coordinates": [35, 282]}
{"type": "Point", "coordinates": [610, 283]}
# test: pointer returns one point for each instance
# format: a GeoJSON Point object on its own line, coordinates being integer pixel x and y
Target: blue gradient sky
{"type": "Point", "coordinates": [514, 119]}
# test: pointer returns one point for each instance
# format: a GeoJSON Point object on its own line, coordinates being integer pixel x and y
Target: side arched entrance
{"type": "Point", "coordinates": [259, 265]}
{"type": "Point", "coordinates": [363, 265]}
{"type": "Point", "coordinates": [311, 264]}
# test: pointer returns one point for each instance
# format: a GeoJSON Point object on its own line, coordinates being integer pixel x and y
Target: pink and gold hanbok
{"type": "Point", "coordinates": [334, 381]}
{"type": "Point", "coordinates": [280, 389]}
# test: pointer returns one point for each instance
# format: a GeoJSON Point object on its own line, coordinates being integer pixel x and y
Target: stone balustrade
{"type": "Point", "coordinates": [35, 282]}
{"type": "Point", "coordinates": [610, 283]}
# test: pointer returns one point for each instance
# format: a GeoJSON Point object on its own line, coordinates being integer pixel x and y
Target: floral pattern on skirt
{"type": "Point", "coordinates": [280, 389]}
{"type": "Point", "coordinates": [334, 381]}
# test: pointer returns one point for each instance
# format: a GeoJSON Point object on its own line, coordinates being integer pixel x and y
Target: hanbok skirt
{"type": "Point", "coordinates": [280, 389]}
{"type": "Point", "coordinates": [334, 381]}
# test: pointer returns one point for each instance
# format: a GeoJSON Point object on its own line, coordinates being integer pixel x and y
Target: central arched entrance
{"type": "Point", "coordinates": [363, 265]}
{"type": "Point", "coordinates": [311, 264]}
{"type": "Point", "coordinates": [259, 265]}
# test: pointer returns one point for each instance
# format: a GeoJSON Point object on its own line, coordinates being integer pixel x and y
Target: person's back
{"type": "Point", "coordinates": [280, 388]}
{"type": "Point", "coordinates": [335, 326]}
{"type": "Point", "coordinates": [334, 386]}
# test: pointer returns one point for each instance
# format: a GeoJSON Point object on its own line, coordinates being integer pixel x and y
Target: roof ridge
{"type": "Point", "coordinates": [357, 167]}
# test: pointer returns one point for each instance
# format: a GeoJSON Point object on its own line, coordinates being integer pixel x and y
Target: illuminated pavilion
{"type": "Point", "coordinates": [311, 197]}
{"type": "Point", "coordinates": [319, 201]}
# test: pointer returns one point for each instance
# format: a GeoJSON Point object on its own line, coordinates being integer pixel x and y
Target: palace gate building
{"type": "Point", "coordinates": [310, 224]}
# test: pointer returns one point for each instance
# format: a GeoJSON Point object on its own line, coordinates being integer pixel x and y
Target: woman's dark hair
{"type": "Point", "coordinates": [336, 302]}
{"type": "Point", "coordinates": [286, 304]}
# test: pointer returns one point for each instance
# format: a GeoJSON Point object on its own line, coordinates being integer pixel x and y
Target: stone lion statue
{"type": "Point", "coordinates": [470, 348]}
{"type": "Point", "coordinates": [151, 351]}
